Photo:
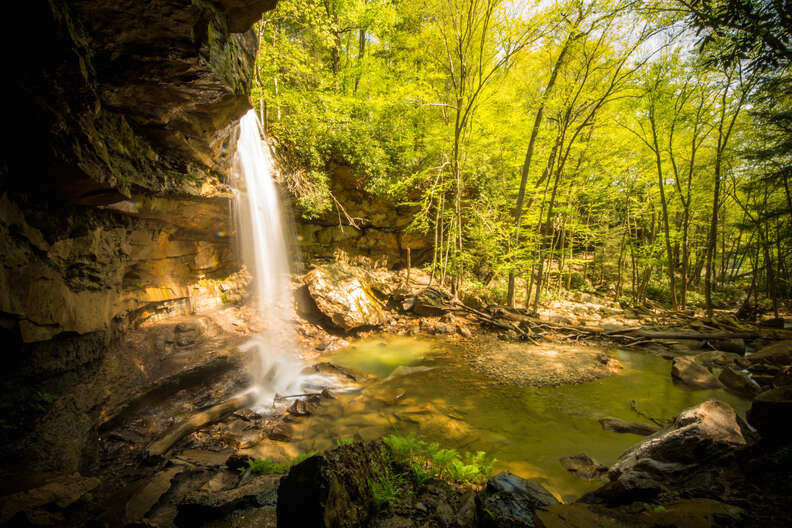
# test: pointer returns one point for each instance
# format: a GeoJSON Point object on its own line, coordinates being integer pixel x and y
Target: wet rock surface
{"type": "Point", "coordinates": [509, 501]}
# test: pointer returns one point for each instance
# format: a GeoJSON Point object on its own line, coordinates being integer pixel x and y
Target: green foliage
{"type": "Point", "coordinates": [426, 460]}
{"type": "Point", "coordinates": [620, 187]}
{"type": "Point", "coordinates": [266, 466]}
{"type": "Point", "coordinates": [345, 441]}
{"type": "Point", "coordinates": [385, 490]}
{"type": "Point", "coordinates": [303, 456]}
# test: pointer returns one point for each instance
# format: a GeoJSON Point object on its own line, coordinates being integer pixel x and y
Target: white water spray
{"type": "Point", "coordinates": [276, 367]}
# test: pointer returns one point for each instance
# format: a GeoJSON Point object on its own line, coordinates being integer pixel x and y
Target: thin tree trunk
{"type": "Point", "coordinates": [526, 167]}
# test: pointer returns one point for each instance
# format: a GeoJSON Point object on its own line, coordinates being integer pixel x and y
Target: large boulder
{"type": "Point", "coordinates": [687, 371]}
{"type": "Point", "coordinates": [697, 436]}
{"type": "Point", "coordinates": [343, 295]}
{"type": "Point", "coordinates": [509, 501]}
{"type": "Point", "coordinates": [430, 303]}
{"type": "Point", "coordinates": [332, 488]}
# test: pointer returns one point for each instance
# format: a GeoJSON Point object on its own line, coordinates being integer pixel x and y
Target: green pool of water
{"type": "Point", "coordinates": [382, 356]}
{"type": "Point", "coordinates": [527, 428]}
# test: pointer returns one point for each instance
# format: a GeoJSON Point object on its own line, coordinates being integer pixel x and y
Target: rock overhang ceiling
{"type": "Point", "coordinates": [121, 95]}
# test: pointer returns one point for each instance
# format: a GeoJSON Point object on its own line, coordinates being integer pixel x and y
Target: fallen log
{"type": "Point", "coordinates": [495, 322]}
{"type": "Point", "coordinates": [650, 334]}
{"type": "Point", "coordinates": [201, 419]}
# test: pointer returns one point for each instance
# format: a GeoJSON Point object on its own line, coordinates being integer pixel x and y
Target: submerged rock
{"type": "Point", "coordinates": [687, 371]}
{"type": "Point", "coordinates": [617, 425]}
{"type": "Point", "coordinates": [342, 294]}
{"type": "Point", "coordinates": [404, 370]}
{"type": "Point", "coordinates": [509, 501]}
{"type": "Point", "coordinates": [583, 466]}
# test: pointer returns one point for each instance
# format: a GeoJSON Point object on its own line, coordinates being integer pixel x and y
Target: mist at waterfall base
{"type": "Point", "coordinates": [276, 368]}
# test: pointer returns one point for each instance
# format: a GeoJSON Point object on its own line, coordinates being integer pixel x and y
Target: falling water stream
{"type": "Point", "coordinates": [277, 368]}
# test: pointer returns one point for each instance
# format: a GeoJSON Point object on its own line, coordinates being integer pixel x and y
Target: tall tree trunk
{"type": "Point", "coordinates": [712, 236]}
{"type": "Point", "coordinates": [526, 167]}
{"type": "Point", "coordinates": [664, 204]}
{"type": "Point", "coordinates": [361, 54]}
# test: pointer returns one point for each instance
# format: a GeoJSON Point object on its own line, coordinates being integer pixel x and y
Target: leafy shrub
{"type": "Point", "coordinates": [658, 292]}
{"type": "Point", "coordinates": [576, 281]}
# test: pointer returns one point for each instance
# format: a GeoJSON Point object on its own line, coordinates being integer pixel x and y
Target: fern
{"type": "Point", "coordinates": [303, 456]}
{"type": "Point", "coordinates": [266, 466]}
{"type": "Point", "coordinates": [426, 460]}
{"type": "Point", "coordinates": [385, 490]}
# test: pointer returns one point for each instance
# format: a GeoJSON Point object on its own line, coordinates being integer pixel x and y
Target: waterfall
{"type": "Point", "coordinates": [276, 366]}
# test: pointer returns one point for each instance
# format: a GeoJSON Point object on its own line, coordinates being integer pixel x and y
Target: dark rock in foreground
{"type": "Point", "coordinates": [332, 489]}
{"type": "Point", "coordinates": [770, 413]}
{"type": "Point", "coordinates": [509, 501]}
{"type": "Point", "coordinates": [207, 503]}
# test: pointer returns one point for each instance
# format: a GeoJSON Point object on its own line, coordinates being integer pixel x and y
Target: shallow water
{"type": "Point", "coordinates": [526, 428]}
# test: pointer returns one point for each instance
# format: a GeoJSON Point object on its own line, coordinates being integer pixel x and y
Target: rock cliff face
{"type": "Point", "coordinates": [112, 201]}
{"type": "Point", "coordinates": [381, 233]}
